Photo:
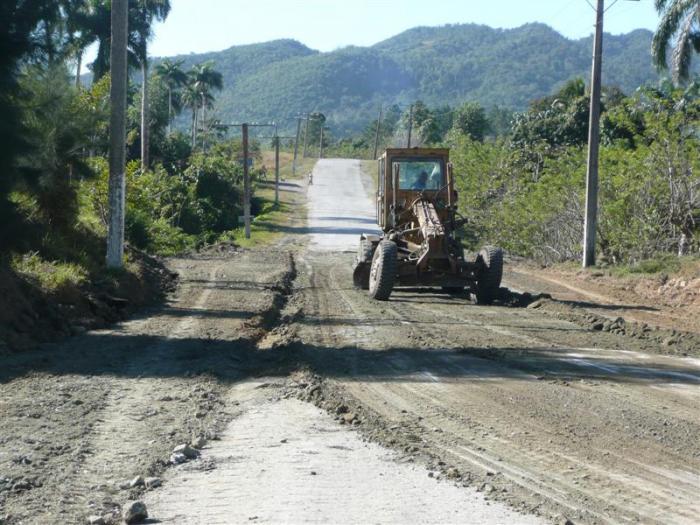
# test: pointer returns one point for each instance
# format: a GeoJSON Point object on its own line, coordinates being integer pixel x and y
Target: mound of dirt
{"type": "Point", "coordinates": [513, 299]}
{"type": "Point", "coordinates": [30, 316]}
{"type": "Point", "coordinates": [679, 291]}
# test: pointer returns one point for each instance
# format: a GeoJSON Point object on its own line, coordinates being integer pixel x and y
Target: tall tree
{"type": "Point", "coordinates": [173, 77]}
{"type": "Point", "coordinates": [203, 79]}
{"type": "Point", "coordinates": [190, 99]}
{"type": "Point", "coordinates": [78, 37]}
{"type": "Point", "coordinates": [206, 79]}
{"type": "Point", "coordinates": [117, 132]}
{"type": "Point", "coordinates": [94, 23]}
{"type": "Point", "coordinates": [19, 21]}
{"type": "Point", "coordinates": [470, 119]}
{"type": "Point", "coordinates": [92, 19]}
{"type": "Point", "coordinates": [679, 19]}
{"type": "Point", "coordinates": [145, 13]}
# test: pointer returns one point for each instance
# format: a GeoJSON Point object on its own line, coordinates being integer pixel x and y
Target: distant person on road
{"type": "Point", "coordinates": [311, 177]}
{"type": "Point", "coordinates": [421, 181]}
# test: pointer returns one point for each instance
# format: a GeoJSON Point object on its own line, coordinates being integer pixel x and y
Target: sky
{"type": "Point", "coordinates": [196, 26]}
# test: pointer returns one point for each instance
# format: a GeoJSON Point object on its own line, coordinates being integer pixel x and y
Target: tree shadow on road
{"type": "Point", "coordinates": [234, 359]}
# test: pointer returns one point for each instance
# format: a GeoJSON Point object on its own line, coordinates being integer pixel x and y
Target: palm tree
{"type": "Point", "coordinates": [190, 99]}
{"type": "Point", "coordinates": [92, 21]}
{"type": "Point", "coordinates": [79, 37]}
{"type": "Point", "coordinates": [679, 19]}
{"type": "Point", "coordinates": [203, 79]}
{"type": "Point", "coordinates": [145, 13]}
{"type": "Point", "coordinates": [206, 79]}
{"type": "Point", "coordinates": [174, 77]}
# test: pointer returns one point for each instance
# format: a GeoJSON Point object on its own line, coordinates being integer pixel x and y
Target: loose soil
{"type": "Point", "coordinates": [524, 402]}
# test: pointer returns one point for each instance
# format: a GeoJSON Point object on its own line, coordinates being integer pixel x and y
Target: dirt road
{"type": "Point", "coordinates": [552, 417]}
{"type": "Point", "coordinates": [432, 409]}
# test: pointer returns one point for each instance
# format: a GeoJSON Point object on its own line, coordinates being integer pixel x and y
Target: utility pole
{"type": "Point", "coordinates": [246, 182]}
{"type": "Point", "coordinates": [277, 168]}
{"type": "Point", "coordinates": [296, 148]}
{"type": "Point", "coordinates": [410, 124]}
{"type": "Point", "coordinates": [589, 230]}
{"type": "Point", "coordinates": [376, 134]}
{"type": "Point", "coordinates": [117, 133]}
{"type": "Point", "coordinates": [320, 145]}
{"type": "Point", "coordinates": [306, 132]}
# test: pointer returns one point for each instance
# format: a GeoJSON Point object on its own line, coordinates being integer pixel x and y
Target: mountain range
{"type": "Point", "coordinates": [450, 64]}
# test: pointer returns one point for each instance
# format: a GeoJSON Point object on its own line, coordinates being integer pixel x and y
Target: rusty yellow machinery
{"type": "Point", "coordinates": [417, 212]}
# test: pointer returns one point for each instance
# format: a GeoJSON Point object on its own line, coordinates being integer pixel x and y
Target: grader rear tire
{"type": "Point", "coordinates": [489, 281]}
{"type": "Point", "coordinates": [382, 274]}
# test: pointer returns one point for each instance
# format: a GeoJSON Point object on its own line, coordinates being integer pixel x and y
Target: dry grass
{"type": "Point", "coordinates": [267, 226]}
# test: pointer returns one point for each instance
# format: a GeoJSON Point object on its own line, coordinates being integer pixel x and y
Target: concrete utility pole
{"type": "Point", "coordinates": [591, 219]}
{"type": "Point", "coordinates": [117, 134]}
{"type": "Point", "coordinates": [320, 145]}
{"type": "Point", "coordinates": [376, 133]}
{"type": "Point", "coordinates": [296, 148]}
{"type": "Point", "coordinates": [589, 229]}
{"type": "Point", "coordinates": [410, 124]}
{"type": "Point", "coordinates": [306, 133]}
{"type": "Point", "coordinates": [246, 182]}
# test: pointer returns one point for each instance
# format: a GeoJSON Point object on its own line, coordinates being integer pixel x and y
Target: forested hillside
{"type": "Point", "coordinates": [439, 65]}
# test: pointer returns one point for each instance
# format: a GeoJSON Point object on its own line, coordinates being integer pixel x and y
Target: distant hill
{"type": "Point", "coordinates": [440, 65]}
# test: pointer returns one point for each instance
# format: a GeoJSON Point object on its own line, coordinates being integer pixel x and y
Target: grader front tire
{"type": "Point", "coordinates": [489, 281]}
{"type": "Point", "coordinates": [383, 271]}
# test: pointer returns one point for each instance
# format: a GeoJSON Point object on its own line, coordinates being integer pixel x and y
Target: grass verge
{"type": "Point", "coordinates": [274, 220]}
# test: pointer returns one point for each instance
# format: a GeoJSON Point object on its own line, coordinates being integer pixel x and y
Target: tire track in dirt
{"type": "Point", "coordinates": [119, 434]}
{"type": "Point", "coordinates": [651, 494]}
{"type": "Point", "coordinates": [150, 383]}
{"type": "Point", "coordinates": [608, 490]}
{"type": "Point", "coordinates": [475, 451]}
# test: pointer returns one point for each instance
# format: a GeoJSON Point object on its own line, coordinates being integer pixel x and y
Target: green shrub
{"type": "Point", "coordinates": [50, 276]}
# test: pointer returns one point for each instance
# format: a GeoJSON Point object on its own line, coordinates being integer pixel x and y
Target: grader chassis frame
{"type": "Point", "coordinates": [416, 208]}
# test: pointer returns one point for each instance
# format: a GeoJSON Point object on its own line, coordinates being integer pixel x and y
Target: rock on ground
{"type": "Point", "coordinates": [134, 512]}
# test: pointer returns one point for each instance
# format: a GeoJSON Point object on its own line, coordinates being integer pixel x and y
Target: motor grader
{"type": "Point", "coordinates": [417, 212]}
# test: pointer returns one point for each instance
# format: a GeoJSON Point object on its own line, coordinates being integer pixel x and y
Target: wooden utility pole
{"type": "Point", "coordinates": [296, 148]}
{"type": "Point", "coordinates": [376, 133]}
{"type": "Point", "coordinates": [320, 145]}
{"type": "Point", "coordinates": [277, 168]}
{"type": "Point", "coordinates": [589, 229]}
{"type": "Point", "coordinates": [117, 134]}
{"type": "Point", "coordinates": [306, 133]}
{"type": "Point", "coordinates": [410, 124]}
{"type": "Point", "coordinates": [246, 182]}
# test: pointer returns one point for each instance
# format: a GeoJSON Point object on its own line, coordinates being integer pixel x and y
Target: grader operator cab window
{"type": "Point", "coordinates": [420, 174]}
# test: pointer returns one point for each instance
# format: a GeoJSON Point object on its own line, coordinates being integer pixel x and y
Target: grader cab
{"type": "Point", "coordinates": [417, 212]}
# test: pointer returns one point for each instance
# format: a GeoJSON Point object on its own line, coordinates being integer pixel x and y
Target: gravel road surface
{"type": "Point", "coordinates": [301, 400]}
